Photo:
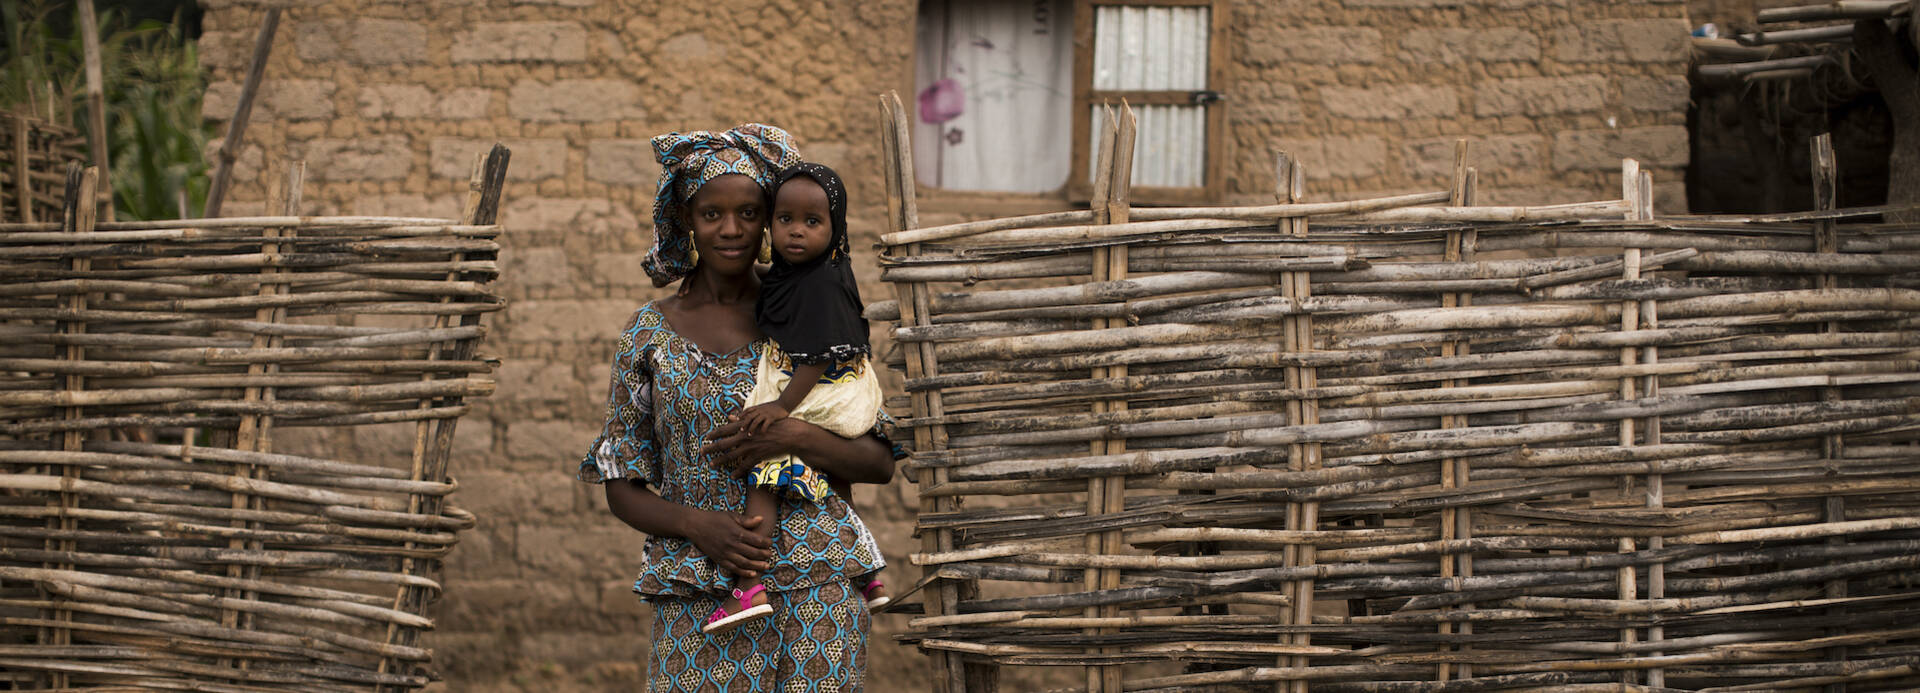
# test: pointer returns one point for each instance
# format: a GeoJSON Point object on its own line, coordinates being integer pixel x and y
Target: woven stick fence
{"type": "Point", "coordinates": [1411, 444]}
{"type": "Point", "coordinates": [34, 150]}
{"type": "Point", "coordinates": [150, 535]}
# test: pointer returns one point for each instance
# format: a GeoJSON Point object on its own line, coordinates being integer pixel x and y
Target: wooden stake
{"type": "Point", "coordinates": [96, 105]}
{"type": "Point", "coordinates": [235, 141]}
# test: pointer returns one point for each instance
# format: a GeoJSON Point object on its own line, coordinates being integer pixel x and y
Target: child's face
{"type": "Point", "coordinates": [726, 216]}
{"type": "Point", "coordinates": [802, 224]}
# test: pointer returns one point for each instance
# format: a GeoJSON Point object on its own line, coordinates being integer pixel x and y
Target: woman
{"type": "Point", "coordinates": [672, 453]}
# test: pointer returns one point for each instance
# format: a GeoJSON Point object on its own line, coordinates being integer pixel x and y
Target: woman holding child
{"type": "Point", "coordinates": [675, 450]}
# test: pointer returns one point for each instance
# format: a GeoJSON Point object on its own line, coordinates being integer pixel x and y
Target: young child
{"type": "Point", "coordinates": [820, 373]}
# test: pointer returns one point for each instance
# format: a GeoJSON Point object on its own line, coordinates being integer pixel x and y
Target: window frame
{"type": "Point", "coordinates": [1078, 188]}
{"type": "Point", "coordinates": [1213, 186]}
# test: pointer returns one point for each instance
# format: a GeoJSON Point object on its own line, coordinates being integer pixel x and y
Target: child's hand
{"type": "Point", "coordinates": [756, 419]}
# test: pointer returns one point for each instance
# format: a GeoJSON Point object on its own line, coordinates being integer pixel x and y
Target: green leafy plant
{"type": "Point", "coordinates": [156, 139]}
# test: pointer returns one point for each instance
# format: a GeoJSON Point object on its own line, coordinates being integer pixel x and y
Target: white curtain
{"type": "Point", "coordinates": [994, 81]}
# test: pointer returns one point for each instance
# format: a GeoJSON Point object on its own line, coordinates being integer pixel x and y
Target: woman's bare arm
{"type": "Point", "coordinates": [725, 537]}
{"type": "Point", "coordinates": [862, 460]}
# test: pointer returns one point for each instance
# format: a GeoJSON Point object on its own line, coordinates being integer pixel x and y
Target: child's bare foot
{"type": "Point", "coordinates": [876, 593]}
{"type": "Point", "coordinates": [744, 606]}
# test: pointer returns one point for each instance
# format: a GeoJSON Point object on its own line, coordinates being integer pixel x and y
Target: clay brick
{"type": "Point", "coordinates": [407, 205]}
{"type": "Point", "coordinates": [1623, 41]}
{"type": "Point", "coordinates": [566, 321]}
{"type": "Point", "coordinates": [289, 99]}
{"type": "Point", "coordinates": [310, 441]}
{"type": "Point", "coordinates": [1271, 44]}
{"type": "Point", "coordinates": [575, 100]}
{"type": "Point", "coordinates": [1404, 4]}
{"type": "Point", "coordinates": [452, 157]}
{"type": "Point", "coordinates": [1530, 196]}
{"type": "Point", "coordinates": [380, 157]}
{"type": "Point", "coordinates": [622, 162]}
{"type": "Point", "coordinates": [517, 604]}
{"type": "Point", "coordinates": [1456, 45]}
{"type": "Point", "coordinates": [586, 556]}
{"type": "Point", "coordinates": [473, 442]}
{"type": "Point", "coordinates": [1390, 102]}
{"type": "Point", "coordinates": [1537, 96]}
{"type": "Point", "coordinates": [600, 377]}
{"type": "Point", "coordinates": [1337, 157]}
{"type": "Point", "coordinates": [396, 101]}
{"type": "Point", "coordinates": [499, 495]}
{"type": "Point", "coordinates": [576, 215]}
{"type": "Point", "coordinates": [480, 550]}
{"type": "Point", "coordinates": [465, 104]}
{"type": "Point", "coordinates": [1433, 158]}
{"type": "Point", "coordinates": [1267, 102]}
{"type": "Point", "coordinates": [618, 599]}
{"type": "Point", "coordinates": [361, 41]}
{"type": "Point", "coordinates": [506, 42]}
{"type": "Point", "coordinates": [1602, 150]}
{"type": "Point", "coordinates": [581, 650]}
{"type": "Point", "coordinates": [691, 46]}
{"type": "Point", "coordinates": [1667, 94]}
{"type": "Point", "coordinates": [536, 267]}
{"type": "Point", "coordinates": [523, 380]}
{"type": "Point", "coordinates": [620, 269]}
{"type": "Point", "coordinates": [836, 155]}
{"type": "Point", "coordinates": [392, 443]}
{"type": "Point", "coordinates": [553, 444]}
{"type": "Point", "coordinates": [222, 49]}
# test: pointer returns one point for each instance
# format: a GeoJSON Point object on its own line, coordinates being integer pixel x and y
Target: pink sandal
{"type": "Point", "coordinates": [875, 603]}
{"type": "Point", "coordinates": [721, 621]}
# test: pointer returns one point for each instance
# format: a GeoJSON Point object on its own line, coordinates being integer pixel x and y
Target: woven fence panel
{"type": "Point", "coordinates": [150, 533]}
{"type": "Point", "coordinates": [1382, 453]}
{"type": "Point", "coordinates": [32, 152]}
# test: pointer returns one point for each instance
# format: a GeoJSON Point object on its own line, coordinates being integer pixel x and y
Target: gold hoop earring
{"type": "Point", "coordinates": [766, 248]}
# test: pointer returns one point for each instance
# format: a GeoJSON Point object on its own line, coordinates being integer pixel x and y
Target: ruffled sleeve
{"type": "Point", "coordinates": [625, 448]}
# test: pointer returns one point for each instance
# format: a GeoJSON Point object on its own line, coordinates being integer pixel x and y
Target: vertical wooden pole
{"type": "Point", "coordinates": [1639, 209]}
{"type": "Point", "coordinates": [22, 170]}
{"type": "Point", "coordinates": [1826, 191]}
{"type": "Point", "coordinates": [1650, 435]}
{"type": "Point", "coordinates": [255, 432]}
{"type": "Point", "coordinates": [432, 454]}
{"type": "Point", "coordinates": [1112, 181]}
{"type": "Point", "coordinates": [1456, 523]}
{"type": "Point", "coordinates": [78, 217]}
{"type": "Point", "coordinates": [96, 104]}
{"type": "Point", "coordinates": [1297, 331]}
{"type": "Point", "coordinates": [951, 673]}
{"type": "Point", "coordinates": [231, 145]}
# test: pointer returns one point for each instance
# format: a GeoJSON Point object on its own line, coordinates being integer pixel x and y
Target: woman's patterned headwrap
{"type": "Point", "coordinates": [688, 161]}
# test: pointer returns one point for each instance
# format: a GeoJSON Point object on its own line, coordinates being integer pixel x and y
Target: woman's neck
{"type": "Point", "coordinates": [711, 287]}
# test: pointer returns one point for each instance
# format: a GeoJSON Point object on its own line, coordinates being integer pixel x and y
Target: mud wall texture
{"type": "Point", "coordinates": [389, 101]}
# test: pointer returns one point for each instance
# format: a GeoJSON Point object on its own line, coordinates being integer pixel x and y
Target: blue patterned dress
{"type": "Point", "coordinates": [667, 395]}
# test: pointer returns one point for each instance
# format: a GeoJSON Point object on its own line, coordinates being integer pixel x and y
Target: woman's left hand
{"type": "Point", "coordinates": [741, 449]}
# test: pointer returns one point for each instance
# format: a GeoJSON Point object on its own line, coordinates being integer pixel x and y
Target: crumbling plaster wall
{"type": "Point", "coordinates": [388, 101]}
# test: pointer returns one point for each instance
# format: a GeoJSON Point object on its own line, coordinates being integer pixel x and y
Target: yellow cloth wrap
{"type": "Point", "coordinates": [844, 402]}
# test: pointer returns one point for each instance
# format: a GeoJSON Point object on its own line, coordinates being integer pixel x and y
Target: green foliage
{"type": "Point", "coordinates": [151, 79]}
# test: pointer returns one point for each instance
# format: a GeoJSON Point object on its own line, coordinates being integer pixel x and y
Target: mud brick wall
{"type": "Point", "coordinates": [388, 101]}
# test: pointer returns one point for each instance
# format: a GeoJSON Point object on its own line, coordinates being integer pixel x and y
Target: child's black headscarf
{"type": "Point", "coordinates": [813, 308]}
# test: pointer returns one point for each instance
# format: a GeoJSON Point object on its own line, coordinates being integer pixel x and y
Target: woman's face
{"type": "Point", "coordinates": [727, 216]}
{"type": "Point", "coordinates": [802, 227]}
